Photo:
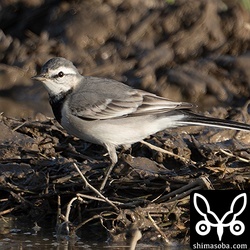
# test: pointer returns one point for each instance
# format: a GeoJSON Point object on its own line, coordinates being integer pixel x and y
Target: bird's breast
{"type": "Point", "coordinates": [57, 102]}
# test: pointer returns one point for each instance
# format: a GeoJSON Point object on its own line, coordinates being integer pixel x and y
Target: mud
{"type": "Point", "coordinates": [196, 51]}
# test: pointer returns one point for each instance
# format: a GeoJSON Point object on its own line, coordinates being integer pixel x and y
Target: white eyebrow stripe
{"type": "Point", "coordinates": [65, 70]}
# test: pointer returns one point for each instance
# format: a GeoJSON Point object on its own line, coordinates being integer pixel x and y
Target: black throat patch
{"type": "Point", "coordinates": [57, 102]}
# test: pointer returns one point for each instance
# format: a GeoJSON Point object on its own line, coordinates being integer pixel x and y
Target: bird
{"type": "Point", "coordinates": [110, 113]}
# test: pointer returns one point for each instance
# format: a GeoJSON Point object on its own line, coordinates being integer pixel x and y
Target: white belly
{"type": "Point", "coordinates": [116, 131]}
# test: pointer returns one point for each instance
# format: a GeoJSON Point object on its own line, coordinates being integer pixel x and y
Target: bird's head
{"type": "Point", "coordinates": [58, 75]}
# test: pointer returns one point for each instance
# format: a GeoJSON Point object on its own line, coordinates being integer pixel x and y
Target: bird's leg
{"type": "Point", "coordinates": [113, 157]}
{"type": "Point", "coordinates": [106, 176]}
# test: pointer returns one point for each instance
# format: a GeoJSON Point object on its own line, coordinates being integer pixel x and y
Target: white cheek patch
{"type": "Point", "coordinates": [55, 88]}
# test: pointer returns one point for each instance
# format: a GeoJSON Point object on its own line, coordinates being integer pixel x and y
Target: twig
{"type": "Point", "coordinates": [19, 126]}
{"type": "Point", "coordinates": [107, 174]}
{"type": "Point", "coordinates": [59, 210]}
{"type": "Point", "coordinates": [88, 220]}
{"type": "Point", "coordinates": [159, 230]}
{"type": "Point", "coordinates": [94, 189]}
{"type": "Point", "coordinates": [97, 199]}
{"type": "Point", "coordinates": [69, 208]}
{"type": "Point", "coordinates": [179, 193]}
{"type": "Point", "coordinates": [167, 152]}
{"type": "Point", "coordinates": [232, 155]}
{"type": "Point", "coordinates": [7, 211]}
{"type": "Point", "coordinates": [68, 211]}
{"type": "Point", "coordinates": [66, 217]}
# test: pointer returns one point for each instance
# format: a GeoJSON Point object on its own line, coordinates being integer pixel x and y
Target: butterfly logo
{"type": "Point", "coordinates": [210, 219]}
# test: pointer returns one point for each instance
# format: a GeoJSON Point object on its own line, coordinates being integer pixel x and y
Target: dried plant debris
{"type": "Point", "coordinates": [43, 169]}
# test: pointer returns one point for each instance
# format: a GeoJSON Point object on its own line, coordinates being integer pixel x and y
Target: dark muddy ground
{"type": "Point", "coordinates": [196, 51]}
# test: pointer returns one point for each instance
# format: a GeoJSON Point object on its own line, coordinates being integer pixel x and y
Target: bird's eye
{"type": "Point", "coordinates": [60, 74]}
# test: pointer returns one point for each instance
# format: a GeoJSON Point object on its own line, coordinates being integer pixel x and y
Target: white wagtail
{"type": "Point", "coordinates": [110, 113]}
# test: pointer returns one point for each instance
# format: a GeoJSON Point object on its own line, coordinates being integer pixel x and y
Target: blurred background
{"type": "Point", "coordinates": [189, 50]}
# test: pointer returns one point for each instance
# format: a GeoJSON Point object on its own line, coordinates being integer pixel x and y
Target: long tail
{"type": "Point", "coordinates": [199, 120]}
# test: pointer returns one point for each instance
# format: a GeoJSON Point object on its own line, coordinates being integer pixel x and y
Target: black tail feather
{"type": "Point", "coordinates": [195, 119]}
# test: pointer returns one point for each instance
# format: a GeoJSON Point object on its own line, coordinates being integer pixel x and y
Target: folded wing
{"type": "Point", "coordinates": [132, 103]}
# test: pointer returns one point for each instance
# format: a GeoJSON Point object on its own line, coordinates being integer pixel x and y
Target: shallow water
{"type": "Point", "coordinates": [16, 235]}
{"type": "Point", "coordinates": [30, 239]}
